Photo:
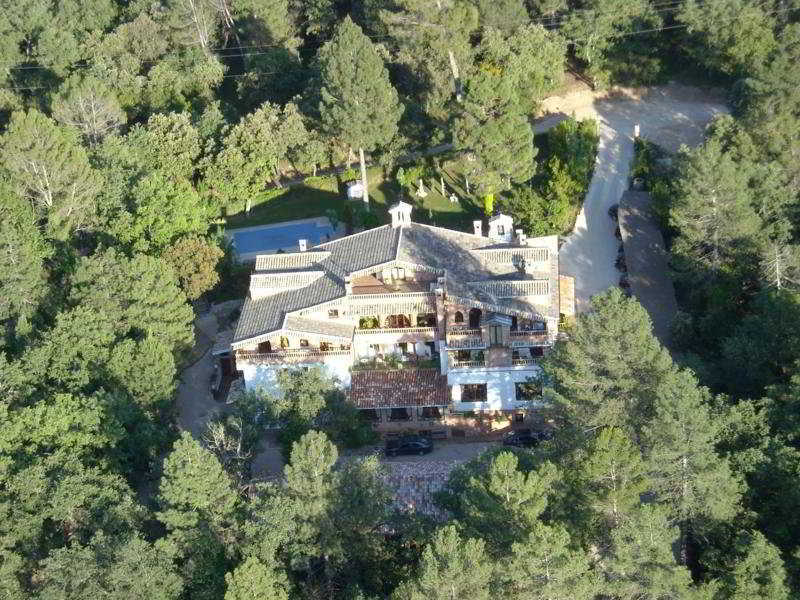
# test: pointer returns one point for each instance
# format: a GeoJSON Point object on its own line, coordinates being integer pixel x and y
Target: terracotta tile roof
{"type": "Point", "coordinates": [397, 389]}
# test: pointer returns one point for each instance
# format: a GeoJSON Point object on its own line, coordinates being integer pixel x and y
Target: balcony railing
{"type": "Point", "coordinates": [539, 334]}
{"type": "Point", "coordinates": [466, 331]}
{"type": "Point", "coordinates": [467, 364]}
{"type": "Point", "coordinates": [523, 362]}
{"type": "Point", "coordinates": [280, 356]}
{"type": "Point", "coordinates": [397, 330]}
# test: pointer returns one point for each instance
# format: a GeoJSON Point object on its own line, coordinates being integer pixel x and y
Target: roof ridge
{"type": "Point", "coordinates": [351, 236]}
{"type": "Point", "coordinates": [447, 229]}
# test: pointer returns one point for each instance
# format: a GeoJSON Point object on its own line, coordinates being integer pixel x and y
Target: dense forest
{"type": "Point", "coordinates": [130, 131]}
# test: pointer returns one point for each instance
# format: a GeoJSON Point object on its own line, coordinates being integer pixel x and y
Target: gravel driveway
{"type": "Point", "coordinates": [669, 115]}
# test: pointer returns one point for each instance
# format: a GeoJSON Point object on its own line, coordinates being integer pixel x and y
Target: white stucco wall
{"type": "Point", "coordinates": [266, 376]}
{"type": "Point", "coordinates": [500, 393]}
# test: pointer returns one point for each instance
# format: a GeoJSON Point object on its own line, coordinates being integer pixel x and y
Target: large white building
{"type": "Point", "coordinates": [465, 317]}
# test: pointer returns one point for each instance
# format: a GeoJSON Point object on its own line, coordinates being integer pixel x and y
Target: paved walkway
{"type": "Point", "coordinates": [669, 116]}
{"type": "Point", "coordinates": [646, 259]}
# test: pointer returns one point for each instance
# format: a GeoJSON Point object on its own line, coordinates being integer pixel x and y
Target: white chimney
{"type": "Point", "coordinates": [478, 226]}
{"type": "Point", "coordinates": [400, 213]}
{"type": "Point", "coordinates": [521, 237]}
{"type": "Point", "coordinates": [303, 245]}
{"type": "Point", "coordinates": [348, 285]}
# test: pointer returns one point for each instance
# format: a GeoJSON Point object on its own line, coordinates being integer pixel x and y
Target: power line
{"type": "Point", "coordinates": [614, 36]}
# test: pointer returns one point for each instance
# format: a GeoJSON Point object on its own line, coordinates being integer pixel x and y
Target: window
{"type": "Point", "coordinates": [528, 390]}
{"type": "Point", "coordinates": [369, 414]}
{"type": "Point", "coordinates": [458, 317]}
{"type": "Point", "coordinates": [426, 320]}
{"type": "Point", "coordinates": [333, 314]}
{"type": "Point", "coordinates": [496, 336]}
{"type": "Point", "coordinates": [264, 347]}
{"type": "Point", "coordinates": [431, 412]}
{"type": "Point", "coordinates": [325, 346]}
{"type": "Point", "coordinates": [304, 343]}
{"type": "Point", "coordinates": [475, 318]}
{"type": "Point", "coordinates": [284, 342]}
{"type": "Point", "coordinates": [399, 414]}
{"type": "Point", "coordinates": [403, 348]}
{"type": "Point", "coordinates": [501, 230]}
{"type": "Point", "coordinates": [473, 392]}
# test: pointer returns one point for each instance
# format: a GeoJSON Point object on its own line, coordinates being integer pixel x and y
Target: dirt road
{"type": "Point", "coordinates": [669, 115]}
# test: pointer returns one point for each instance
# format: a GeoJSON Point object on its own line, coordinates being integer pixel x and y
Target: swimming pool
{"type": "Point", "coordinates": [265, 239]}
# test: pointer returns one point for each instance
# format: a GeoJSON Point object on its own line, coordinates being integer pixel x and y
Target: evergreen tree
{"type": "Point", "coordinates": [546, 567]}
{"type": "Point", "coordinates": [597, 23]}
{"type": "Point", "coordinates": [358, 107]}
{"type": "Point", "coordinates": [686, 472]}
{"type": "Point", "coordinates": [252, 580]}
{"type": "Point", "coordinates": [163, 210]}
{"type": "Point", "coordinates": [168, 143]}
{"type": "Point", "coordinates": [612, 478]}
{"type": "Point", "coordinates": [505, 15]}
{"type": "Point", "coordinates": [643, 565]}
{"type": "Point", "coordinates": [251, 152]}
{"type": "Point", "coordinates": [47, 166]}
{"type": "Point", "coordinates": [713, 211]}
{"type": "Point", "coordinates": [739, 47]}
{"type": "Point", "coordinates": [608, 372]}
{"type": "Point", "coordinates": [494, 500]}
{"type": "Point", "coordinates": [432, 39]}
{"type": "Point", "coordinates": [87, 104]}
{"type": "Point", "coordinates": [758, 572]}
{"type": "Point", "coordinates": [109, 569]}
{"type": "Point", "coordinates": [23, 251]}
{"type": "Point", "coordinates": [195, 489]}
{"type": "Point", "coordinates": [311, 482]}
{"type": "Point", "coordinates": [138, 295]}
{"type": "Point", "coordinates": [451, 567]}
{"type": "Point", "coordinates": [502, 149]}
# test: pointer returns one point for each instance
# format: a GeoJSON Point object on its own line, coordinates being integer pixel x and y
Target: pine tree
{"type": "Point", "coordinates": [502, 148]}
{"type": "Point", "coordinates": [546, 567]}
{"type": "Point", "coordinates": [252, 580]}
{"type": "Point", "coordinates": [612, 477]}
{"type": "Point", "coordinates": [686, 472]}
{"type": "Point", "coordinates": [643, 565]}
{"type": "Point", "coordinates": [48, 166]}
{"type": "Point", "coordinates": [713, 211]}
{"type": "Point", "coordinates": [358, 106]}
{"type": "Point", "coordinates": [496, 500]}
{"type": "Point", "coordinates": [608, 372]}
{"type": "Point", "coordinates": [311, 484]}
{"type": "Point", "coordinates": [23, 251]}
{"type": "Point", "coordinates": [252, 150]}
{"type": "Point", "coordinates": [433, 40]}
{"type": "Point", "coordinates": [138, 295]}
{"type": "Point", "coordinates": [195, 489]}
{"type": "Point", "coordinates": [451, 567]}
{"type": "Point", "coordinates": [758, 572]}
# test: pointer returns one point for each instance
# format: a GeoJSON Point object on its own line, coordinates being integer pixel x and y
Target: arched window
{"type": "Point", "coordinates": [458, 317]}
{"type": "Point", "coordinates": [474, 318]}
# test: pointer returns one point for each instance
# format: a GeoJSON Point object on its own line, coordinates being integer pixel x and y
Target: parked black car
{"type": "Point", "coordinates": [525, 438]}
{"type": "Point", "coordinates": [412, 444]}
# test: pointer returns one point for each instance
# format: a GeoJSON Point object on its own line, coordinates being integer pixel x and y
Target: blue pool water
{"type": "Point", "coordinates": [282, 235]}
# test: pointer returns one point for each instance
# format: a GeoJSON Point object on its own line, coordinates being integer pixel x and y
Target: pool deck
{"type": "Point", "coordinates": [321, 222]}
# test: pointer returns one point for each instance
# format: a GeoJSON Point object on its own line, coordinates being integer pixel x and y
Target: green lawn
{"type": "Point", "coordinates": [317, 196]}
